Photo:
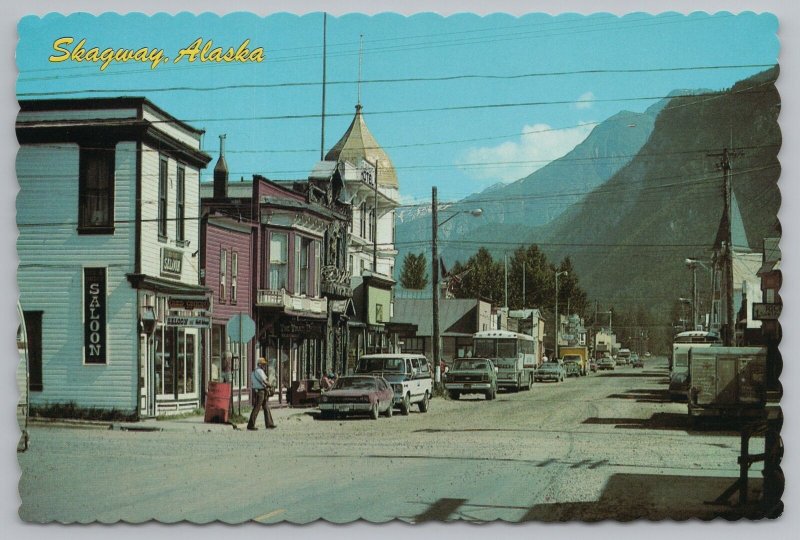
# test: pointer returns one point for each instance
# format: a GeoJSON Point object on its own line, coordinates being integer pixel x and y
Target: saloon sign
{"type": "Point", "coordinates": [94, 315]}
{"type": "Point", "coordinates": [171, 262]}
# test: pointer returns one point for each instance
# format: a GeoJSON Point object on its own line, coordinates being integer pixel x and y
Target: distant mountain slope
{"type": "Point", "coordinates": [628, 239]}
{"type": "Point", "coordinates": [539, 197]}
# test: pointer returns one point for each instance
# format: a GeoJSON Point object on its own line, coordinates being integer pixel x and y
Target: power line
{"type": "Point", "coordinates": [484, 106]}
{"type": "Point", "coordinates": [446, 78]}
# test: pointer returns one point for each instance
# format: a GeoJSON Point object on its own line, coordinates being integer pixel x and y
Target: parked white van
{"type": "Point", "coordinates": [409, 375]}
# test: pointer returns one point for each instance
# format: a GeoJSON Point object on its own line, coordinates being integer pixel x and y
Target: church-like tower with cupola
{"type": "Point", "coordinates": [371, 186]}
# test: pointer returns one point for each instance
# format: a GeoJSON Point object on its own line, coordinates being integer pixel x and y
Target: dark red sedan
{"type": "Point", "coordinates": [359, 394]}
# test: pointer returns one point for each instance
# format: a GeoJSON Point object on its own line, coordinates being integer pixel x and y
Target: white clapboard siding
{"type": "Point", "coordinates": [151, 245]}
{"type": "Point", "coordinates": [50, 276]}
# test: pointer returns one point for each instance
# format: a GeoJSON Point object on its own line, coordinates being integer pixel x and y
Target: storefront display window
{"type": "Point", "coordinates": [175, 361]}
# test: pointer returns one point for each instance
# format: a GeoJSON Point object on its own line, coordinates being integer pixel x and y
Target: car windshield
{"type": "Point", "coordinates": [370, 365]}
{"type": "Point", "coordinates": [549, 366]}
{"type": "Point", "coordinates": [470, 364]}
{"type": "Point", "coordinates": [355, 383]}
{"type": "Point", "coordinates": [505, 364]}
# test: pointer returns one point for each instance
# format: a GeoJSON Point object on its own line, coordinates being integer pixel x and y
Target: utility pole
{"type": "Point", "coordinates": [435, 282]}
{"type": "Point", "coordinates": [523, 284]}
{"type": "Point", "coordinates": [324, 71]}
{"type": "Point", "coordinates": [694, 296]}
{"type": "Point", "coordinates": [555, 343]}
{"type": "Point", "coordinates": [375, 224]}
{"type": "Point", "coordinates": [505, 260]}
{"type": "Point", "coordinates": [727, 243]}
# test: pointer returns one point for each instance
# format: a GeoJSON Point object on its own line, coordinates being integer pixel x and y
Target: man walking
{"type": "Point", "coordinates": [260, 383]}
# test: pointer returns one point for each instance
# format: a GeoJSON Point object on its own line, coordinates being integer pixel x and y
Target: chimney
{"type": "Point", "coordinates": [221, 172]}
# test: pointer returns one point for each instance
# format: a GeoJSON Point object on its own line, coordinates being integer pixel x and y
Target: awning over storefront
{"type": "Point", "coordinates": [143, 281]}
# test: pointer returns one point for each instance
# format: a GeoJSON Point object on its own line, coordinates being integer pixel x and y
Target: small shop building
{"type": "Point", "coordinates": [108, 242]}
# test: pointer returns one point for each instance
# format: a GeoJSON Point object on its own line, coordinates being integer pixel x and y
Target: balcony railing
{"type": "Point", "coordinates": [280, 298]}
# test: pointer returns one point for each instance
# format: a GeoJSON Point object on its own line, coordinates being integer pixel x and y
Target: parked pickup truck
{"type": "Point", "coordinates": [727, 381]}
{"type": "Point", "coordinates": [472, 376]}
{"type": "Point", "coordinates": [408, 374]}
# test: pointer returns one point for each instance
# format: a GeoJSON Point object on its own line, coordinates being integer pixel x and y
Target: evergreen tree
{"type": "Point", "coordinates": [414, 274]}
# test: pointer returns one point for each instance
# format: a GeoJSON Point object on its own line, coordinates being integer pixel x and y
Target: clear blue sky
{"type": "Point", "coordinates": [480, 145]}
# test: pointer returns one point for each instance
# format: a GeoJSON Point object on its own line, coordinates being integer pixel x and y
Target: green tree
{"type": "Point", "coordinates": [537, 278]}
{"type": "Point", "coordinates": [481, 277]}
{"type": "Point", "coordinates": [414, 274]}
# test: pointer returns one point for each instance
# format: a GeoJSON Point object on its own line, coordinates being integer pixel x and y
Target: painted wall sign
{"type": "Point", "coordinates": [171, 262]}
{"type": "Point", "coordinates": [94, 316]}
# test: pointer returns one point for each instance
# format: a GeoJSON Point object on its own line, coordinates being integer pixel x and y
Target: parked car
{"type": "Point", "coordinates": [358, 394]}
{"type": "Point", "coordinates": [408, 374]}
{"type": "Point", "coordinates": [572, 369]}
{"type": "Point", "coordinates": [550, 371]}
{"type": "Point", "coordinates": [472, 376]}
{"type": "Point", "coordinates": [606, 363]}
{"type": "Point", "coordinates": [647, 355]}
{"type": "Point", "coordinates": [637, 361]}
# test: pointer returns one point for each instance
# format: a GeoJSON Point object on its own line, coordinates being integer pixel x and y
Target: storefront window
{"type": "Point", "coordinates": [217, 348]}
{"type": "Point", "coordinates": [168, 374]}
{"type": "Point", "coordinates": [189, 366]}
{"type": "Point", "coordinates": [158, 340]}
{"type": "Point", "coordinates": [239, 375]}
{"type": "Point", "coordinates": [175, 364]}
{"type": "Point", "coordinates": [181, 362]}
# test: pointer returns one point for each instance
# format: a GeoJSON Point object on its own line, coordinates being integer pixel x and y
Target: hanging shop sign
{"type": "Point", "coordinates": [198, 322]}
{"type": "Point", "coordinates": [94, 315]}
{"type": "Point", "coordinates": [171, 262]}
{"type": "Point", "coordinates": [189, 303]}
{"type": "Point", "coordinates": [767, 312]}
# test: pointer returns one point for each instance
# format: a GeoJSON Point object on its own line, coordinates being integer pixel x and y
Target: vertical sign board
{"type": "Point", "coordinates": [94, 315]}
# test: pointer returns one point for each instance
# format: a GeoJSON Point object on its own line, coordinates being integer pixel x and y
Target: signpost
{"type": "Point", "coordinates": [240, 328]}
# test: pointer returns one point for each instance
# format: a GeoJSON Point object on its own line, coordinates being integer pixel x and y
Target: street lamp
{"type": "Point", "coordinates": [555, 345]}
{"type": "Point", "coordinates": [436, 345]}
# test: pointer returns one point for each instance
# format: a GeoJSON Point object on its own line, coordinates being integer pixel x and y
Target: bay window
{"type": "Point", "coordinates": [278, 261]}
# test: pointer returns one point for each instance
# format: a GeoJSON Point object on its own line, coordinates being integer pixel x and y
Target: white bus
{"type": "Point", "coordinates": [513, 354]}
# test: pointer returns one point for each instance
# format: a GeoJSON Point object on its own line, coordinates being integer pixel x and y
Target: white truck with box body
{"type": "Point", "coordinates": [727, 381]}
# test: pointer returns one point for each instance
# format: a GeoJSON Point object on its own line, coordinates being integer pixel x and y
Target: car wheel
{"type": "Point", "coordinates": [405, 406]}
{"type": "Point", "coordinates": [326, 415]}
{"type": "Point", "coordinates": [390, 410]}
{"type": "Point", "coordinates": [453, 394]}
{"type": "Point", "coordinates": [425, 403]}
{"type": "Point", "coordinates": [374, 411]}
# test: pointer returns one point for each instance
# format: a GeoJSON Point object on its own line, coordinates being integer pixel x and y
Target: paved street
{"type": "Point", "coordinates": [608, 445]}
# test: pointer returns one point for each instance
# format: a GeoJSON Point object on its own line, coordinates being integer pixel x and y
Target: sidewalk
{"type": "Point", "coordinates": [280, 413]}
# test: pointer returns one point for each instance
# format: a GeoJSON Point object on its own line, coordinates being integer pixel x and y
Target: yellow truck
{"type": "Point", "coordinates": [578, 355]}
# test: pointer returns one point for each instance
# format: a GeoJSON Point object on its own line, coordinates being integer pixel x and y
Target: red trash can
{"type": "Point", "coordinates": [218, 399]}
